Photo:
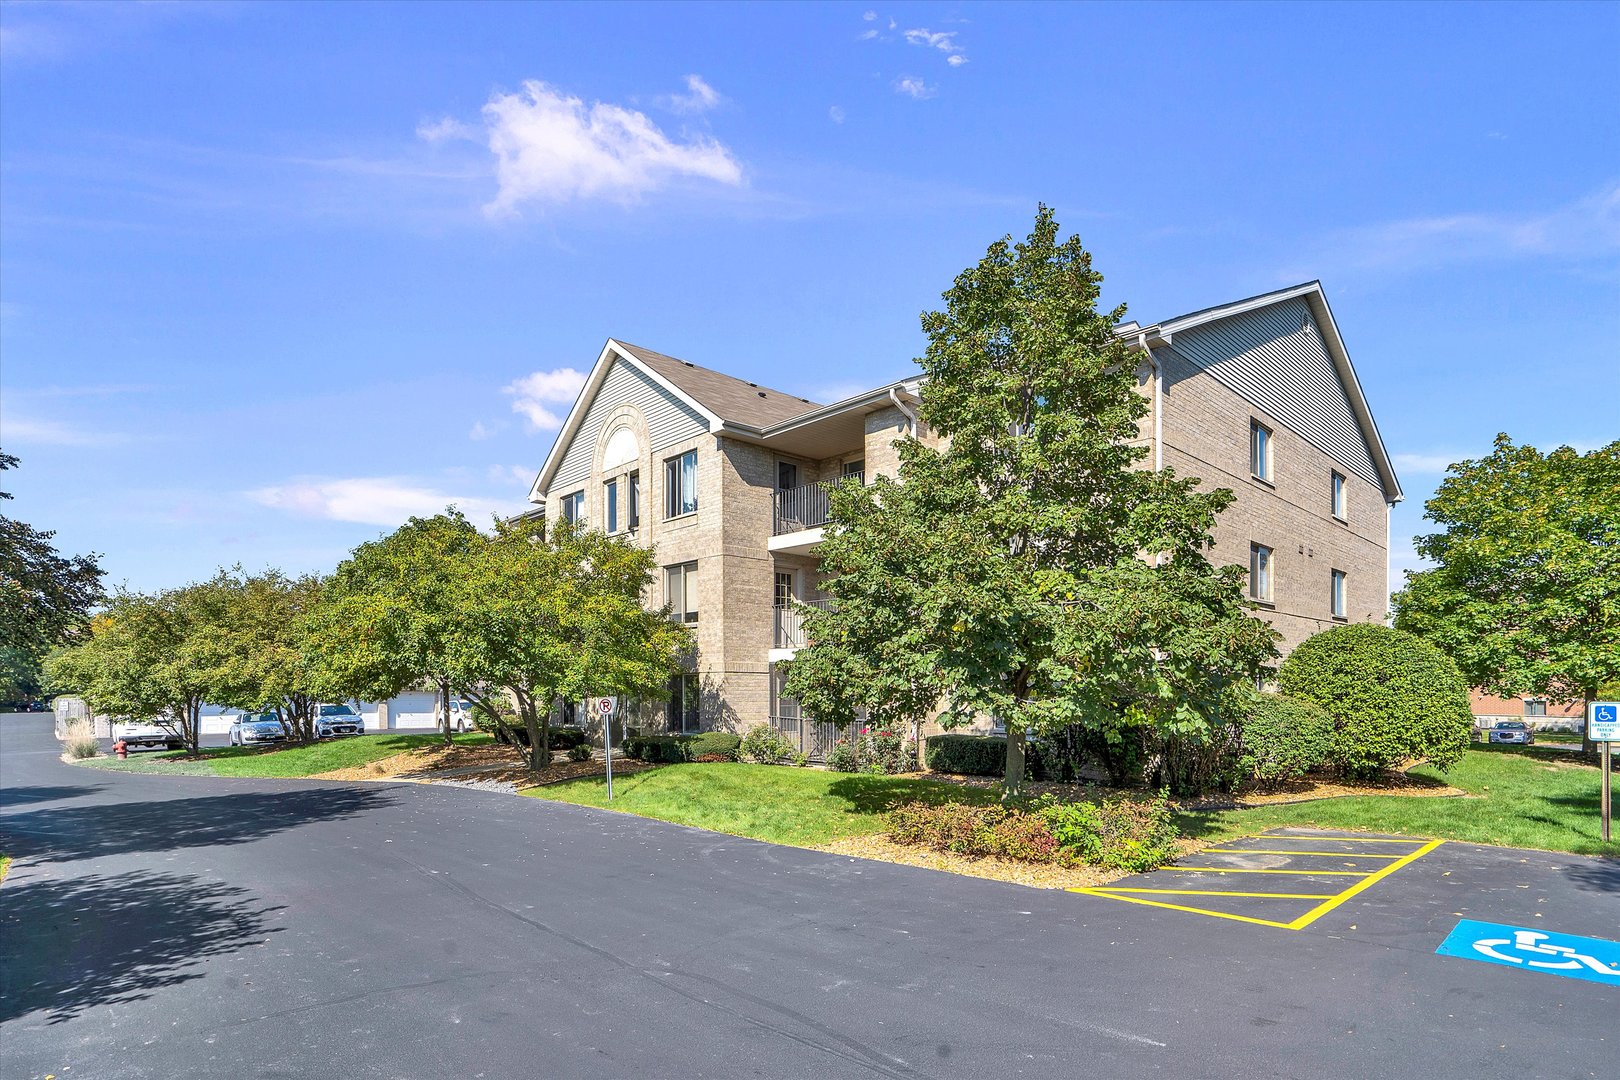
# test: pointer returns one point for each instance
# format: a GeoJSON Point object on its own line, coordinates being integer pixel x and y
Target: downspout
{"type": "Point", "coordinates": [911, 417]}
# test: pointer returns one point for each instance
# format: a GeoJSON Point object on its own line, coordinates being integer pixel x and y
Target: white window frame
{"type": "Point", "coordinates": [1262, 568]}
{"type": "Point", "coordinates": [632, 487]}
{"type": "Point", "coordinates": [610, 505]}
{"type": "Point", "coordinates": [572, 508]}
{"type": "Point", "coordinates": [1338, 590]}
{"type": "Point", "coordinates": [1260, 458]}
{"type": "Point", "coordinates": [679, 502]}
{"type": "Point", "coordinates": [680, 590]}
{"type": "Point", "coordinates": [1338, 495]}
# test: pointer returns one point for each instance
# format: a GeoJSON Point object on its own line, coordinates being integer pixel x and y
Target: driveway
{"type": "Point", "coordinates": [201, 927]}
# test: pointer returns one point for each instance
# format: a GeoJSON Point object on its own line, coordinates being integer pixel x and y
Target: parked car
{"type": "Point", "coordinates": [144, 733]}
{"type": "Point", "coordinates": [334, 721]}
{"type": "Point", "coordinates": [253, 729]}
{"type": "Point", "coordinates": [1511, 731]}
{"type": "Point", "coordinates": [461, 716]}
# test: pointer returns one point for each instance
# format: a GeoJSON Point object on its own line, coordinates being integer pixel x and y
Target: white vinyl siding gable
{"type": "Point", "coordinates": [669, 420]}
{"type": "Point", "coordinates": [1274, 358]}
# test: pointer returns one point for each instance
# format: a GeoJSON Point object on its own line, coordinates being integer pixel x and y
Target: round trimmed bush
{"type": "Point", "coordinates": [1393, 697]}
{"type": "Point", "coordinates": [1281, 738]}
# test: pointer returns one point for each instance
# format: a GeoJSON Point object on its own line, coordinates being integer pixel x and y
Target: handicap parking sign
{"type": "Point", "coordinates": [1603, 725]}
{"type": "Point", "coordinates": [1592, 959]}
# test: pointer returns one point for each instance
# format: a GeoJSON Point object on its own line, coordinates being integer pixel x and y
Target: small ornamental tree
{"type": "Point", "coordinates": [264, 666]}
{"type": "Point", "coordinates": [1394, 697]}
{"type": "Point", "coordinates": [1002, 574]}
{"type": "Point", "coordinates": [1524, 593]}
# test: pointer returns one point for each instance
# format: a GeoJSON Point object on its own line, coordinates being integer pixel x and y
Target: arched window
{"type": "Point", "coordinates": [621, 450]}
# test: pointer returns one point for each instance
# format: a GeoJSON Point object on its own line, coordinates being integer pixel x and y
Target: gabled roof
{"type": "Point", "coordinates": [1311, 292]}
{"type": "Point", "coordinates": [733, 400]}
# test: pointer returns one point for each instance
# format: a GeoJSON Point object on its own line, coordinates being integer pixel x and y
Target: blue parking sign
{"type": "Point", "coordinates": [1592, 959]}
{"type": "Point", "coordinates": [1603, 722]}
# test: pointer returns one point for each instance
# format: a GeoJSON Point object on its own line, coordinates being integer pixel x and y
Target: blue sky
{"type": "Point", "coordinates": [273, 277]}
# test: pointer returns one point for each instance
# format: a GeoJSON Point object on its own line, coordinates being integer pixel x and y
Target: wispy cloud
{"type": "Point", "coordinates": [37, 431]}
{"type": "Point", "coordinates": [913, 87]}
{"type": "Point", "coordinates": [537, 396]}
{"type": "Point", "coordinates": [371, 500]}
{"type": "Point", "coordinates": [944, 41]}
{"type": "Point", "coordinates": [551, 147]}
{"type": "Point", "coordinates": [699, 97]}
{"type": "Point", "coordinates": [513, 474]}
{"type": "Point", "coordinates": [836, 114]}
{"type": "Point", "coordinates": [1586, 228]}
{"type": "Point", "coordinates": [481, 431]}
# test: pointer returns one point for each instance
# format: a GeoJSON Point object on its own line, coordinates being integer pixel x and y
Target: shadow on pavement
{"type": "Point", "coordinates": [1602, 876]}
{"type": "Point", "coordinates": [62, 834]}
{"type": "Point", "coordinates": [13, 796]}
{"type": "Point", "coordinates": [69, 945]}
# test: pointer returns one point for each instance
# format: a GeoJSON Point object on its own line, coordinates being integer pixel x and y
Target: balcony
{"type": "Point", "coordinates": [797, 514]}
{"type": "Point", "coordinates": [790, 622]}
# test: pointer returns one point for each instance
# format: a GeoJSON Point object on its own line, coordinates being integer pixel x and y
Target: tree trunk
{"type": "Point", "coordinates": [539, 741]}
{"type": "Point", "coordinates": [1012, 785]}
{"type": "Point", "coordinates": [444, 709]}
{"type": "Point", "coordinates": [193, 716]}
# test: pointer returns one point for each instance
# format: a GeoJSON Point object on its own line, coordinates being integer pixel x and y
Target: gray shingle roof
{"type": "Point", "coordinates": [734, 400]}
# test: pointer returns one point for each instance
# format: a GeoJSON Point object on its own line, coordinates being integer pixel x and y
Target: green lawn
{"type": "Point", "coordinates": [293, 761]}
{"type": "Point", "coordinates": [5, 866]}
{"type": "Point", "coordinates": [1526, 797]}
{"type": "Point", "coordinates": [776, 803]}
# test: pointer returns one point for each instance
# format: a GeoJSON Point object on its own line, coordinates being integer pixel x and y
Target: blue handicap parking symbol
{"type": "Point", "coordinates": [1587, 958]}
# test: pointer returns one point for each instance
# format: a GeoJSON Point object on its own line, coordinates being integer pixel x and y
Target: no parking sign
{"type": "Point", "coordinates": [605, 706]}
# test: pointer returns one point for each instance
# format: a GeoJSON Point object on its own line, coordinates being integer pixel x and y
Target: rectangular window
{"type": "Point", "coordinates": [1260, 450]}
{"type": "Point", "coordinates": [685, 703]}
{"type": "Point", "coordinates": [854, 468]}
{"type": "Point", "coordinates": [1535, 708]}
{"type": "Point", "coordinates": [787, 476]}
{"type": "Point", "coordinates": [573, 507]}
{"type": "Point", "coordinates": [680, 592]}
{"type": "Point", "coordinates": [1338, 497]}
{"type": "Point", "coordinates": [1336, 594]}
{"type": "Point", "coordinates": [1259, 572]}
{"type": "Point", "coordinates": [633, 511]}
{"type": "Point", "coordinates": [680, 485]}
{"type": "Point", "coordinates": [784, 590]}
{"type": "Point", "coordinates": [610, 505]}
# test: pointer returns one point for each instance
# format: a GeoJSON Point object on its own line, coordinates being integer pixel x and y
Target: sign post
{"type": "Point", "coordinates": [605, 707]}
{"type": "Point", "coordinates": [1603, 726]}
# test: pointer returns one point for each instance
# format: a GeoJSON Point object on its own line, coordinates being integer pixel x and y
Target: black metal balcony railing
{"type": "Point", "coordinates": [806, 506]}
{"type": "Point", "coordinates": [790, 622]}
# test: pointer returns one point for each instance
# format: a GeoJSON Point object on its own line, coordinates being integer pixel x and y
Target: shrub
{"type": "Point", "coordinates": [1003, 831]}
{"type": "Point", "coordinates": [884, 752]}
{"type": "Point", "coordinates": [560, 738]}
{"type": "Point", "coordinates": [80, 741]}
{"type": "Point", "coordinates": [764, 745]}
{"type": "Point", "coordinates": [1136, 835]}
{"type": "Point", "coordinates": [841, 758]}
{"type": "Point", "coordinates": [654, 749]}
{"type": "Point", "coordinates": [1393, 697]}
{"type": "Point", "coordinates": [1280, 739]}
{"type": "Point", "coordinates": [711, 746]}
{"type": "Point", "coordinates": [977, 755]}
{"type": "Point", "coordinates": [579, 752]}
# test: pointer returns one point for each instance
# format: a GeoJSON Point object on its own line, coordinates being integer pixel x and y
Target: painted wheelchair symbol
{"type": "Point", "coordinates": [1529, 942]}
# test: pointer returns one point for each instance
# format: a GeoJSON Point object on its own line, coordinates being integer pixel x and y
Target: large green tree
{"type": "Point", "coordinates": [1524, 593]}
{"type": "Point", "coordinates": [1029, 567]}
{"type": "Point", "coordinates": [263, 664]}
{"type": "Point", "coordinates": [45, 598]}
{"type": "Point", "coordinates": [152, 656]}
{"type": "Point", "coordinates": [559, 614]}
{"type": "Point", "coordinates": [388, 616]}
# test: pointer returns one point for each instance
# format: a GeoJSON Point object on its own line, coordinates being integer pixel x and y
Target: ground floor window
{"type": "Point", "coordinates": [685, 703]}
{"type": "Point", "coordinates": [1535, 708]}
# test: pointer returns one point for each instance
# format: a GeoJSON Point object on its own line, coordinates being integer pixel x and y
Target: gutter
{"type": "Point", "coordinates": [911, 417]}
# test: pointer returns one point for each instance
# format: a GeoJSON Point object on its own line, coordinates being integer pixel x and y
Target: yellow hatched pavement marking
{"type": "Point", "coordinates": [1344, 839]}
{"type": "Point", "coordinates": [1368, 880]}
{"type": "Point", "coordinates": [1241, 870]}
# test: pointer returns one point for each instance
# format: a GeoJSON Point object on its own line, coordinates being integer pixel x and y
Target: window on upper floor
{"type": "Point", "coordinates": [1336, 601]}
{"type": "Point", "coordinates": [633, 498]}
{"type": "Point", "coordinates": [680, 591]}
{"type": "Point", "coordinates": [610, 505]}
{"type": "Point", "coordinates": [1336, 488]}
{"type": "Point", "coordinates": [854, 468]}
{"type": "Point", "coordinates": [680, 485]}
{"type": "Point", "coordinates": [787, 476]}
{"type": "Point", "coordinates": [573, 507]}
{"type": "Point", "coordinates": [1260, 568]}
{"type": "Point", "coordinates": [783, 597]}
{"type": "Point", "coordinates": [1260, 450]}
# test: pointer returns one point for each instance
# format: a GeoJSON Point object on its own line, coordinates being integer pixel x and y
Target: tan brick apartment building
{"type": "Point", "coordinates": [726, 481]}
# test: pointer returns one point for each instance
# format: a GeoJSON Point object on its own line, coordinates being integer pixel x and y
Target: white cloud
{"type": "Point", "coordinates": [442, 129]}
{"type": "Point", "coordinates": [956, 60]}
{"type": "Point", "coordinates": [1585, 228]}
{"type": "Point", "coordinates": [836, 114]}
{"type": "Point", "coordinates": [552, 147]}
{"type": "Point", "coordinates": [512, 474]}
{"type": "Point", "coordinates": [700, 97]}
{"type": "Point", "coordinates": [913, 87]}
{"type": "Point", "coordinates": [944, 42]}
{"type": "Point", "coordinates": [867, 35]}
{"type": "Point", "coordinates": [24, 431]}
{"type": "Point", "coordinates": [480, 431]}
{"type": "Point", "coordinates": [374, 500]}
{"type": "Point", "coordinates": [536, 396]}
{"type": "Point", "coordinates": [870, 16]}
